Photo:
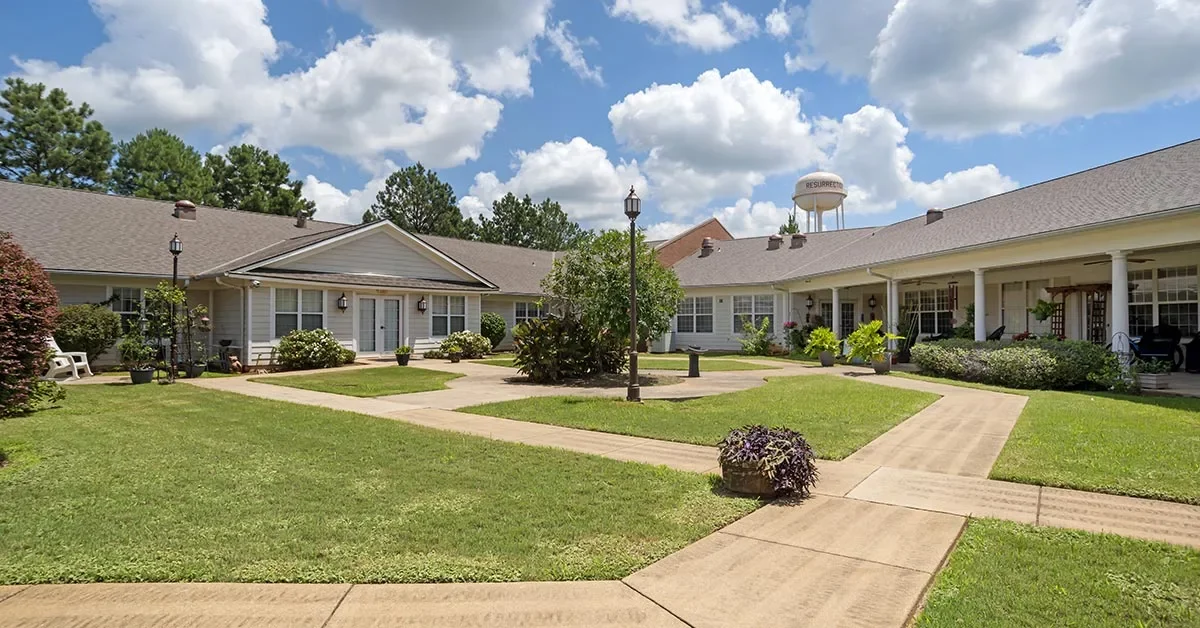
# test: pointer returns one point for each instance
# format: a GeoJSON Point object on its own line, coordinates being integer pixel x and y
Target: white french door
{"type": "Point", "coordinates": [380, 324]}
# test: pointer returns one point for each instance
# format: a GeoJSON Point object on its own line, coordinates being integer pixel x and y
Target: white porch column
{"type": "Point", "coordinates": [980, 306]}
{"type": "Point", "coordinates": [1120, 302]}
{"type": "Point", "coordinates": [893, 310]}
{"type": "Point", "coordinates": [836, 323]}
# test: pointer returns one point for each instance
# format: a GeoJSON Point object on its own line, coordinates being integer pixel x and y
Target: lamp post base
{"type": "Point", "coordinates": [634, 392]}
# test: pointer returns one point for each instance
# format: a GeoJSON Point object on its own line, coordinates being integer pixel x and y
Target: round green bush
{"type": "Point", "coordinates": [309, 349]}
{"type": "Point", "coordinates": [92, 329]}
{"type": "Point", "coordinates": [348, 356]}
{"type": "Point", "coordinates": [472, 345]}
{"type": "Point", "coordinates": [493, 327]}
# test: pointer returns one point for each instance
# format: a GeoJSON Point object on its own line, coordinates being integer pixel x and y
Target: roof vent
{"type": "Point", "coordinates": [798, 240]}
{"type": "Point", "coordinates": [774, 242]}
{"type": "Point", "coordinates": [706, 247]}
{"type": "Point", "coordinates": [301, 218]}
{"type": "Point", "coordinates": [933, 216]}
{"type": "Point", "coordinates": [185, 210]}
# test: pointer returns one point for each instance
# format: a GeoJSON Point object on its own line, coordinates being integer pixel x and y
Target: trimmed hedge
{"type": "Point", "coordinates": [1045, 364]}
{"type": "Point", "coordinates": [304, 349]}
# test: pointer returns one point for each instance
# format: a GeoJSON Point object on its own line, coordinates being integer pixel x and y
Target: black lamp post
{"type": "Point", "coordinates": [633, 207]}
{"type": "Point", "coordinates": [176, 249]}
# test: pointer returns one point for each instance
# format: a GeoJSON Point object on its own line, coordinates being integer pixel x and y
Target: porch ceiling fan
{"type": "Point", "coordinates": [1132, 260]}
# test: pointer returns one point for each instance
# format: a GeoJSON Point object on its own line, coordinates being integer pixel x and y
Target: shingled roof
{"type": "Point", "coordinates": [514, 269]}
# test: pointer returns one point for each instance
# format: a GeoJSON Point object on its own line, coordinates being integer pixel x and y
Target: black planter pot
{"type": "Point", "coordinates": [455, 357]}
{"type": "Point", "coordinates": [192, 371]}
{"type": "Point", "coordinates": [826, 358]}
{"type": "Point", "coordinates": [141, 376]}
{"type": "Point", "coordinates": [402, 358]}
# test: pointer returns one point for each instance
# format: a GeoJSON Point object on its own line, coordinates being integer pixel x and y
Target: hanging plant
{"type": "Point", "coordinates": [1043, 310]}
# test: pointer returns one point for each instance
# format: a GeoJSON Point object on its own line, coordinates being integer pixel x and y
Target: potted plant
{"type": "Point", "coordinates": [196, 362]}
{"type": "Point", "coordinates": [137, 356]}
{"type": "Point", "coordinates": [195, 358]}
{"type": "Point", "coordinates": [454, 352]}
{"type": "Point", "coordinates": [823, 345]}
{"type": "Point", "coordinates": [403, 353]}
{"type": "Point", "coordinates": [869, 343]}
{"type": "Point", "coordinates": [1153, 374]}
{"type": "Point", "coordinates": [763, 461]}
{"type": "Point", "coordinates": [1043, 310]}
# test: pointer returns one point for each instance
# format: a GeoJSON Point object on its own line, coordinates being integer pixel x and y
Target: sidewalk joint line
{"type": "Point", "coordinates": [655, 602]}
{"type": "Point", "coordinates": [1037, 514]}
{"type": "Point", "coordinates": [860, 482]}
{"type": "Point", "coordinates": [19, 591]}
{"type": "Point", "coordinates": [819, 551]}
{"type": "Point", "coordinates": [338, 605]}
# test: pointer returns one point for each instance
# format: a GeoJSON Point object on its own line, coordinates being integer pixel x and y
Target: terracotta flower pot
{"type": "Point", "coordinates": [747, 479]}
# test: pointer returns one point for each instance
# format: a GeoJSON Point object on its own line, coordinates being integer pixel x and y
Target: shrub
{"type": "Point", "coordinates": [493, 327]}
{"type": "Point", "coordinates": [309, 349]}
{"type": "Point", "coordinates": [756, 340]}
{"type": "Point", "coordinates": [348, 356]}
{"type": "Point", "coordinates": [1042, 363]}
{"type": "Point", "coordinates": [472, 345]}
{"type": "Point", "coordinates": [555, 348]}
{"type": "Point", "coordinates": [403, 350]}
{"type": "Point", "coordinates": [92, 329]}
{"type": "Point", "coordinates": [821, 340]}
{"type": "Point", "coordinates": [781, 453]}
{"type": "Point", "coordinates": [868, 343]}
{"type": "Point", "coordinates": [28, 307]}
{"type": "Point", "coordinates": [136, 353]}
{"type": "Point", "coordinates": [434, 354]}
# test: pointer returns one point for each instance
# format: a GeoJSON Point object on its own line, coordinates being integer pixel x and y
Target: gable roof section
{"type": "Point", "coordinates": [658, 244]}
{"type": "Point", "coordinates": [748, 261]}
{"type": "Point", "coordinates": [513, 269]}
{"type": "Point", "coordinates": [74, 230]}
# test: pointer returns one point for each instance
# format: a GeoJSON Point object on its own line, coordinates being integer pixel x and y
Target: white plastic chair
{"type": "Point", "coordinates": [75, 361]}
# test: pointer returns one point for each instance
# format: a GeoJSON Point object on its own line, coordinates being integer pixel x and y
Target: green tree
{"type": "Point", "coordinates": [157, 164]}
{"type": "Point", "coordinates": [520, 222]}
{"type": "Point", "coordinates": [253, 179]}
{"type": "Point", "coordinates": [791, 226]}
{"type": "Point", "coordinates": [592, 282]}
{"type": "Point", "coordinates": [416, 200]}
{"type": "Point", "coordinates": [43, 139]}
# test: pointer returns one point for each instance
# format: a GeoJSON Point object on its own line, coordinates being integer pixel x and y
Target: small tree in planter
{"type": "Point", "coordinates": [137, 356]}
{"type": "Point", "coordinates": [1153, 374]}
{"type": "Point", "coordinates": [768, 462]}
{"type": "Point", "coordinates": [869, 344]}
{"type": "Point", "coordinates": [403, 354]}
{"type": "Point", "coordinates": [823, 344]}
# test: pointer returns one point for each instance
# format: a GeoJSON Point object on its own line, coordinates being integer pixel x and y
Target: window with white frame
{"type": "Point", "coordinates": [1177, 298]}
{"type": "Point", "coordinates": [1141, 301]}
{"type": "Point", "coordinates": [695, 315]}
{"type": "Point", "coordinates": [523, 312]}
{"type": "Point", "coordinates": [298, 309]}
{"type": "Point", "coordinates": [128, 303]}
{"type": "Point", "coordinates": [931, 309]}
{"type": "Point", "coordinates": [756, 308]}
{"type": "Point", "coordinates": [449, 315]}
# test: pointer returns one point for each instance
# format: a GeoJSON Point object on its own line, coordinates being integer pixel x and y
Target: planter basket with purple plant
{"type": "Point", "coordinates": [768, 462]}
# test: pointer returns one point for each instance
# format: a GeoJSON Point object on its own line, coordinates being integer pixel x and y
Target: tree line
{"type": "Point", "coordinates": [46, 139]}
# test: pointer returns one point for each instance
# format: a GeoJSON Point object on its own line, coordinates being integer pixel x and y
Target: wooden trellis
{"type": "Point", "coordinates": [1097, 309]}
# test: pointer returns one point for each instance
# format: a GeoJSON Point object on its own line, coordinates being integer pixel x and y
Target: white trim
{"type": "Point", "coordinates": [249, 322]}
{"type": "Point", "coordinates": [351, 286]}
{"type": "Point", "coordinates": [211, 320]}
{"type": "Point", "coordinates": [299, 310]}
{"type": "Point", "coordinates": [362, 231]}
{"type": "Point", "coordinates": [354, 319]}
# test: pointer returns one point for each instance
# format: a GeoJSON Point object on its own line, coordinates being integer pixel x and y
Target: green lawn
{"type": "Point", "coordinates": [372, 382]}
{"type": "Point", "coordinates": [670, 364]}
{"type": "Point", "coordinates": [836, 414]}
{"type": "Point", "coordinates": [146, 483]}
{"type": "Point", "coordinates": [1012, 575]}
{"type": "Point", "coordinates": [1121, 444]}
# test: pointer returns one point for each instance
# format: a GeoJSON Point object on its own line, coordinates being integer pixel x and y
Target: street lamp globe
{"type": "Point", "coordinates": [633, 205]}
{"type": "Point", "coordinates": [176, 245]}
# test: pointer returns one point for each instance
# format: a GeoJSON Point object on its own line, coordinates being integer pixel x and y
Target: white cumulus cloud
{"type": "Point", "coordinates": [690, 22]}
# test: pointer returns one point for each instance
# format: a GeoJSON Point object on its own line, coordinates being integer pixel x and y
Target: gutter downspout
{"type": "Point", "coordinates": [893, 305]}
{"type": "Point", "coordinates": [241, 311]}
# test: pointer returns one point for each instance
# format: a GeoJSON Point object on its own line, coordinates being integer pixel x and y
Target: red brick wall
{"type": "Point", "coordinates": [689, 242]}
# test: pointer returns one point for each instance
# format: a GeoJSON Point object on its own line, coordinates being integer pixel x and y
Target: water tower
{"type": "Point", "coordinates": [817, 193]}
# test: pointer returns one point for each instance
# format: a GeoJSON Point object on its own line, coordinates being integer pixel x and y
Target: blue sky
{"type": "Point", "coordinates": [711, 108]}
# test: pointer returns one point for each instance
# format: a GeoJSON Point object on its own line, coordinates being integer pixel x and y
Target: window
{"type": "Point", "coordinates": [695, 316]}
{"type": "Point", "coordinates": [847, 320]}
{"type": "Point", "coordinates": [1177, 298]}
{"type": "Point", "coordinates": [931, 309]}
{"type": "Point", "coordinates": [1141, 301]}
{"type": "Point", "coordinates": [755, 308]}
{"type": "Point", "coordinates": [128, 303]}
{"type": "Point", "coordinates": [298, 309]}
{"type": "Point", "coordinates": [449, 315]}
{"type": "Point", "coordinates": [527, 311]}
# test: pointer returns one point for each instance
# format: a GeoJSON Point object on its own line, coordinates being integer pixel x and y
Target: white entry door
{"type": "Point", "coordinates": [380, 325]}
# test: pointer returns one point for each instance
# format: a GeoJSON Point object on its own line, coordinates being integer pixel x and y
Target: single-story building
{"type": "Point", "coordinates": [1133, 223]}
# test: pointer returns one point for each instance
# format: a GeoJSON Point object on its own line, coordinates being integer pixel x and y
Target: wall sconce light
{"type": "Point", "coordinates": [342, 303]}
{"type": "Point", "coordinates": [871, 302]}
{"type": "Point", "coordinates": [422, 305]}
{"type": "Point", "coordinates": [808, 303]}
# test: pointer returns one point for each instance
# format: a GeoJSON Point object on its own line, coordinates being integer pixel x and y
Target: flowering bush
{"type": "Point", "coordinates": [782, 454]}
{"type": "Point", "coordinates": [28, 307]}
{"type": "Point", "coordinates": [309, 349]}
{"type": "Point", "coordinates": [472, 345]}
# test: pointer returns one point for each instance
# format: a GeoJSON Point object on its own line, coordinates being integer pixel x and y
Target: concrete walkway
{"type": "Point", "coordinates": [821, 561]}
